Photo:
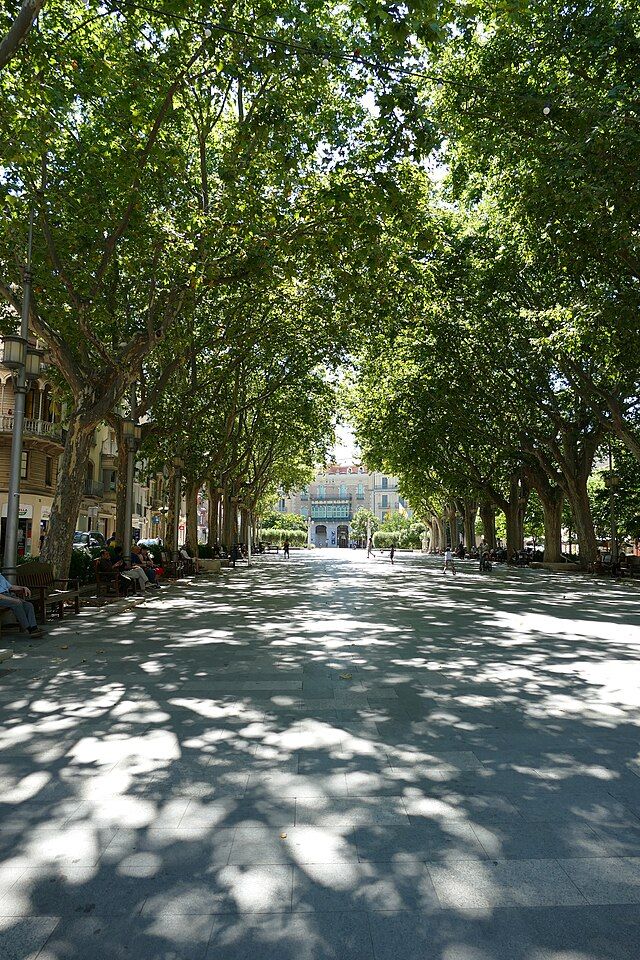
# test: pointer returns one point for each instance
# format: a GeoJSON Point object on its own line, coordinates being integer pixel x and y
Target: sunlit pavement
{"type": "Point", "coordinates": [329, 758]}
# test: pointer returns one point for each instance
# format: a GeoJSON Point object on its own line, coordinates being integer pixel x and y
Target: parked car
{"type": "Point", "coordinates": [88, 540]}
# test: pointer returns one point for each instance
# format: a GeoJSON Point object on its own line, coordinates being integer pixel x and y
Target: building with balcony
{"type": "Point", "coordinates": [335, 495]}
{"type": "Point", "coordinates": [43, 445]}
{"type": "Point", "coordinates": [44, 438]}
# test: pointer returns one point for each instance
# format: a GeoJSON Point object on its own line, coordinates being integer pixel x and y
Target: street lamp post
{"type": "Point", "coordinates": [24, 363]}
{"type": "Point", "coordinates": [178, 464]}
{"type": "Point", "coordinates": [612, 483]}
{"type": "Point", "coordinates": [129, 430]}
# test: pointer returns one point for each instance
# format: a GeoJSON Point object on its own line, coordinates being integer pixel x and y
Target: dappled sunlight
{"type": "Point", "coordinates": [262, 760]}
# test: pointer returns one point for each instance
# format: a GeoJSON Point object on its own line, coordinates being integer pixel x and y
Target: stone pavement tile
{"type": "Point", "coordinates": [355, 753]}
{"type": "Point", "coordinates": [605, 879]}
{"type": "Point", "coordinates": [465, 884]}
{"type": "Point", "coordinates": [73, 845]}
{"type": "Point", "coordinates": [619, 840]}
{"type": "Point", "coordinates": [130, 812]}
{"type": "Point", "coordinates": [316, 691]}
{"type": "Point", "coordinates": [170, 849]}
{"type": "Point", "coordinates": [22, 938]}
{"type": "Point", "coordinates": [456, 806]}
{"type": "Point", "coordinates": [309, 936]}
{"type": "Point", "coordinates": [259, 888]}
{"type": "Point", "coordinates": [257, 843]}
{"type": "Point", "coordinates": [449, 840]}
{"type": "Point", "coordinates": [279, 784]}
{"type": "Point", "coordinates": [449, 935]}
{"type": "Point", "coordinates": [513, 784]}
{"type": "Point", "coordinates": [232, 812]}
{"type": "Point", "coordinates": [327, 811]}
{"type": "Point", "coordinates": [514, 839]}
{"type": "Point", "coordinates": [24, 816]}
{"type": "Point", "coordinates": [610, 932]}
{"type": "Point", "coordinates": [76, 890]}
{"type": "Point", "coordinates": [432, 758]}
{"type": "Point", "coordinates": [592, 810]}
{"type": "Point", "coordinates": [362, 886]}
{"type": "Point", "coordinates": [509, 933]}
{"type": "Point", "coordinates": [149, 938]}
{"type": "Point", "coordinates": [381, 782]}
{"type": "Point", "coordinates": [216, 784]}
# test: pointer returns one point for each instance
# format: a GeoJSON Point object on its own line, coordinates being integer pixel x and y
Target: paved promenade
{"type": "Point", "coordinates": [329, 758]}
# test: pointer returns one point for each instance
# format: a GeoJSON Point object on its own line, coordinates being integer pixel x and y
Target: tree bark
{"type": "Point", "coordinates": [212, 518]}
{"type": "Point", "coordinates": [452, 517]}
{"type": "Point", "coordinates": [442, 532]}
{"type": "Point", "coordinates": [552, 510]}
{"type": "Point", "coordinates": [68, 496]}
{"type": "Point", "coordinates": [552, 498]}
{"type": "Point", "coordinates": [191, 496]}
{"type": "Point", "coordinates": [578, 498]}
{"type": "Point", "coordinates": [121, 483]}
{"type": "Point", "coordinates": [170, 516]}
{"type": "Point", "coordinates": [18, 30]}
{"type": "Point", "coordinates": [514, 510]}
{"type": "Point", "coordinates": [470, 512]}
{"type": "Point", "coordinates": [488, 517]}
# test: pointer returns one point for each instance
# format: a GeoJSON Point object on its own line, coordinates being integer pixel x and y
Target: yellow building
{"type": "Point", "coordinates": [44, 436]}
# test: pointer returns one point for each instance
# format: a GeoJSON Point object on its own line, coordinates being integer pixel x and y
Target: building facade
{"type": "Point", "coordinates": [335, 495]}
{"type": "Point", "coordinates": [44, 438]}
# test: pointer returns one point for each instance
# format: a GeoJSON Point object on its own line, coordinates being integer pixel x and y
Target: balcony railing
{"type": "Point", "coordinates": [93, 488]}
{"type": "Point", "coordinates": [35, 428]}
{"type": "Point", "coordinates": [109, 448]}
{"type": "Point", "coordinates": [109, 494]}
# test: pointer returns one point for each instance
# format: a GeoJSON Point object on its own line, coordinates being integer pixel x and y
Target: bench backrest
{"type": "Point", "coordinates": [35, 574]}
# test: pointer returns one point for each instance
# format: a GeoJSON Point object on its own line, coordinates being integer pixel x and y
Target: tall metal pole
{"type": "Point", "coordinates": [177, 495]}
{"type": "Point", "coordinates": [612, 507]}
{"type": "Point", "coordinates": [128, 507]}
{"type": "Point", "coordinates": [131, 466]}
{"type": "Point", "coordinates": [249, 537]}
{"type": "Point", "coordinates": [13, 505]}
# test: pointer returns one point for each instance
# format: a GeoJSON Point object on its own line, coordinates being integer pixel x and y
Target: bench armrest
{"type": "Point", "coordinates": [72, 580]}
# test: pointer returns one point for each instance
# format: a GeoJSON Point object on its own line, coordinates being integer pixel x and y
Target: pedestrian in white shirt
{"type": "Point", "coordinates": [448, 561]}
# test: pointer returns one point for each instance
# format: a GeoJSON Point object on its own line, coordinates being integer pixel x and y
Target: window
{"type": "Point", "coordinates": [304, 494]}
{"type": "Point", "coordinates": [322, 490]}
{"type": "Point", "coordinates": [385, 483]}
{"type": "Point", "coordinates": [282, 506]}
{"type": "Point", "coordinates": [48, 472]}
{"type": "Point", "coordinates": [343, 490]}
{"type": "Point", "coordinates": [385, 501]}
{"type": "Point", "coordinates": [360, 493]}
{"type": "Point", "coordinates": [24, 468]}
{"type": "Point", "coordinates": [304, 511]}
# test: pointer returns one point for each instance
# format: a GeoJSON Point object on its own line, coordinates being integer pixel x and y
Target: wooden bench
{"type": "Point", "coordinates": [107, 580]}
{"type": "Point", "coordinates": [45, 592]}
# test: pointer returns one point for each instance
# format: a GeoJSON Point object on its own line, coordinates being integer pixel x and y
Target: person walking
{"type": "Point", "coordinates": [370, 551]}
{"type": "Point", "coordinates": [285, 548]}
{"type": "Point", "coordinates": [448, 561]}
{"type": "Point", "coordinates": [392, 552]}
{"type": "Point", "coordinates": [17, 600]}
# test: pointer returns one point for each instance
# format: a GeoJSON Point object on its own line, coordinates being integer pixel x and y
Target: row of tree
{"type": "Point", "coordinates": [507, 355]}
{"type": "Point", "coordinates": [206, 196]}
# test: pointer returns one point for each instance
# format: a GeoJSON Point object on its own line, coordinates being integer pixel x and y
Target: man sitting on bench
{"type": "Point", "coordinates": [20, 606]}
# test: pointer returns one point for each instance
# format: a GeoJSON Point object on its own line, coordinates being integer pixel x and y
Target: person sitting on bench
{"type": "Point", "coordinates": [134, 573]}
{"type": "Point", "coordinates": [16, 599]}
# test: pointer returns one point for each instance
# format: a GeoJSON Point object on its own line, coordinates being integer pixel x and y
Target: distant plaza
{"type": "Point", "coordinates": [336, 494]}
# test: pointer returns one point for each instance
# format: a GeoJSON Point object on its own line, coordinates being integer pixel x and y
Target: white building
{"type": "Point", "coordinates": [336, 493]}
